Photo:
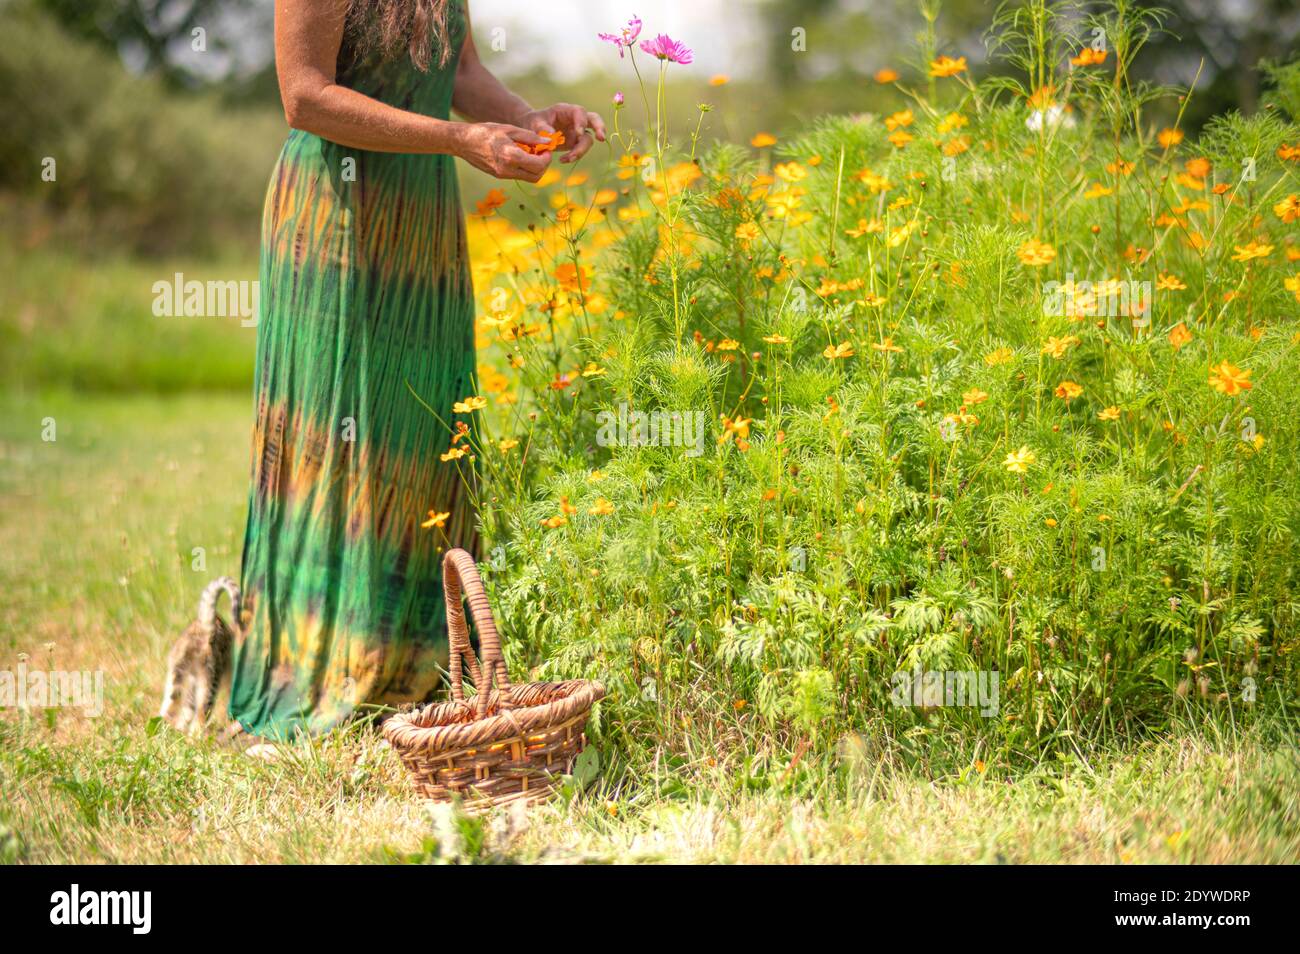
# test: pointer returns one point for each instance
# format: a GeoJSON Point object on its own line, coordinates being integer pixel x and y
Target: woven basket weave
{"type": "Point", "coordinates": [508, 743]}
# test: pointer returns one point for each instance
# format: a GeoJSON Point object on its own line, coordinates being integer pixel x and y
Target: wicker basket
{"type": "Point", "coordinates": [505, 744]}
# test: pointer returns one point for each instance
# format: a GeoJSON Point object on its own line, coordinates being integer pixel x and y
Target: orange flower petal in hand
{"type": "Point", "coordinates": [554, 140]}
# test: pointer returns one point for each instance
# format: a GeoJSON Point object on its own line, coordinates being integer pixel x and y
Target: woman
{"type": "Point", "coordinates": [366, 298]}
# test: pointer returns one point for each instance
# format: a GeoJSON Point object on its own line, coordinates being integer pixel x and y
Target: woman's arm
{"type": "Point", "coordinates": [479, 95]}
{"type": "Point", "coordinates": [307, 38]}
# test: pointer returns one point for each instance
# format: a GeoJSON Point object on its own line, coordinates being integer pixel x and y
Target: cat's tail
{"type": "Point", "coordinates": [208, 602]}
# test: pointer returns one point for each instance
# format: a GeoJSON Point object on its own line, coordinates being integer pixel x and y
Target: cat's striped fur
{"type": "Point", "coordinates": [200, 660]}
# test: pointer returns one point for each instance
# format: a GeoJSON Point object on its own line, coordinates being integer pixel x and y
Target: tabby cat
{"type": "Point", "coordinates": [200, 661]}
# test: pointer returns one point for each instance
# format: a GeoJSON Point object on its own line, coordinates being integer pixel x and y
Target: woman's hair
{"type": "Point", "coordinates": [390, 26]}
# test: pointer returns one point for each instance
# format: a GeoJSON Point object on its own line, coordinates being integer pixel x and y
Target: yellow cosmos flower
{"type": "Point", "coordinates": [999, 356]}
{"type": "Point", "coordinates": [1019, 462]}
{"type": "Point", "coordinates": [1252, 250]}
{"type": "Point", "coordinates": [790, 172]}
{"type": "Point", "coordinates": [1036, 253]}
{"type": "Point", "coordinates": [601, 508]}
{"type": "Point", "coordinates": [1057, 347]}
{"type": "Point", "coordinates": [456, 453]}
{"type": "Point", "coordinates": [947, 66]}
{"type": "Point", "coordinates": [841, 350]}
{"type": "Point", "coordinates": [1108, 414]}
{"type": "Point", "coordinates": [887, 346]}
{"type": "Point", "coordinates": [469, 405]}
{"type": "Point", "coordinates": [438, 520]}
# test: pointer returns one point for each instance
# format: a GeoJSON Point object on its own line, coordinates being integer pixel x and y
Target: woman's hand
{"type": "Point", "coordinates": [495, 148]}
{"type": "Point", "coordinates": [573, 121]}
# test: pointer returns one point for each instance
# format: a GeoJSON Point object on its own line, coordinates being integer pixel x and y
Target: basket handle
{"type": "Point", "coordinates": [460, 576]}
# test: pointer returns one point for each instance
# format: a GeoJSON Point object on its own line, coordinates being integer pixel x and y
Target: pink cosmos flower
{"type": "Point", "coordinates": [624, 37]}
{"type": "Point", "coordinates": [666, 48]}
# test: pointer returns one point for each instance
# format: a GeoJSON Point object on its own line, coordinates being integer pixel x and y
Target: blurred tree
{"type": "Point", "coordinates": [150, 33]}
{"type": "Point", "coordinates": [1232, 37]}
{"type": "Point", "coordinates": [848, 39]}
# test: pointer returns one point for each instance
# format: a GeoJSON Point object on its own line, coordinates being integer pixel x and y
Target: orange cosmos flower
{"type": "Point", "coordinates": [490, 203]}
{"type": "Point", "coordinates": [1168, 138]}
{"type": "Point", "coordinates": [601, 508]}
{"type": "Point", "coordinates": [1289, 153]}
{"type": "Point", "coordinates": [1036, 253]}
{"type": "Point", "coordinates": [763, 140]}
{"type": "Point", "coordinates": [974, 396]}
{"type": "Point", "coordinates": [719, 79]}
{"type": "Point", "coordinates": [1288, 210]}
{"type": "Point", "coordinates": [841, 350]}
{"type": "Point", "coordinates": [1068, 391]}
{"type": "Point", "coordinates": [456, 453]}
{"type": "Point", "coordinates": [738, 428]}
{"type": "Point", "coordinates": [947, 66]}
{"type": "Point", "coordinates": [887, 346]}
{"type": "Point", "coordinates": [1199, 167]}
{"type": "Point", "coordinates": [902, 118]}
{"type": "Point", "coordinates": [552, 522]}
{"type": "Point", "coordinates": [554, 140]}
{"type": "Point", "coordinates": [1169, 283]}
{"type": "Point", "coordinates": [1089, 57]}
{"type": "Point", "coordinates": [1108, 414]}
{"type": "Point", "coordinates": [885, 75]}
{"type": "Point", "coordinates": [1229, 379]}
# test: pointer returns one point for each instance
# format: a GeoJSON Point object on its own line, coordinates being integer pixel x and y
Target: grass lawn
{"type": "Point", "coordinates": [98, 531]}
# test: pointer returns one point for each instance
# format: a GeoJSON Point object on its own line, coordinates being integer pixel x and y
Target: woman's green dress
{"type": "Point", "coordinates": [365, 298]}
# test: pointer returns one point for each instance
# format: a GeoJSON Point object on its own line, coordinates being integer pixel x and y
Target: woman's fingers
{"type": "Point", "coordinates": [523, 165]}
{"type": "Point", "coordinates": [581, 120]}
{"type": "Point", "coordinates": [580, 147]}
{"type": "Point", "coordinates": [526, 136]}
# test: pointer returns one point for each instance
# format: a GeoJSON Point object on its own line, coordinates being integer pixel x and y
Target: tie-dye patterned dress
{"type": "Point", "coordinates": [365, 298]}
